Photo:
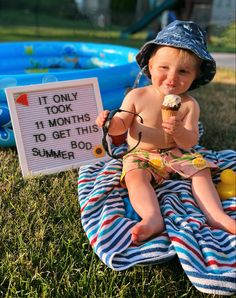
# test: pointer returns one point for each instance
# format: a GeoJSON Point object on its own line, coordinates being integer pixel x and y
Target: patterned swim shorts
{"type": "Point", "coordinates": [164, 163]}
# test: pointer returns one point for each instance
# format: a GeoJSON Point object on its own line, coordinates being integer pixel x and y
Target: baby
{"type": "Point", "coordinates": [176, 61]}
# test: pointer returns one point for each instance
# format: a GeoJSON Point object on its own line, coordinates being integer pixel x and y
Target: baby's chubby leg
{"type": "Point", "coordinates": [144, 201]}
{"type": "Point", "coordinates": [209, 202]}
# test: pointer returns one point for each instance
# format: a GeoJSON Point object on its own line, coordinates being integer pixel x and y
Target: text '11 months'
{"type": "Point", "coordinates": [54, 125]}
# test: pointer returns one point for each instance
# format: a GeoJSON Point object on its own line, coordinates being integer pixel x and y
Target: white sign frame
{"type": "Point", "coordinates": [20, 107]}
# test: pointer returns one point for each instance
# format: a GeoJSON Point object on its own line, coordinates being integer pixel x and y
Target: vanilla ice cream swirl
{"type": "Point", "coordinates": [172, 101]}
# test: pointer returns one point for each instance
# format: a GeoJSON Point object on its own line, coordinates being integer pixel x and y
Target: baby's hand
{"type": "Point", "coordinates": [102, 118]}
{"type": "Point", "coordinates": [173, 126]}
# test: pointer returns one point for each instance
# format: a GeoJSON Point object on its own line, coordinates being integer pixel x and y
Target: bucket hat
{"type": "Point", "coordinates": [185, 35]}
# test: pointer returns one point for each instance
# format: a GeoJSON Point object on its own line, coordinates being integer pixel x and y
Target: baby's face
{"type": "Point", "coordinates": [173, 70]}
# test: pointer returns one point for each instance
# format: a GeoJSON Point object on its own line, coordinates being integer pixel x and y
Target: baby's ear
{"type": "Point", "coordinates": [149, 67]}
{"type": "Point", "coordinates": [150, 64]}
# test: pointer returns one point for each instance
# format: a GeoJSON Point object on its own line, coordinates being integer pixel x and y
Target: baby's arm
{"type": "Point", "coordinates": [185, 131]}
{"type": "Point", "coordinates": [121, 120]}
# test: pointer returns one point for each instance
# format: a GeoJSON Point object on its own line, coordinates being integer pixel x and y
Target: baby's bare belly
{"type": "Point", "coordinates": [151, 138]}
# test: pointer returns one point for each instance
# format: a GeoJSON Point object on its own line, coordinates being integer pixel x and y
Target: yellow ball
{"type": "Point", "coordinates": [228, 176]}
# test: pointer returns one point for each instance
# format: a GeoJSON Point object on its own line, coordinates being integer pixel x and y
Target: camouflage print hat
{"type": "Point", "coordinates": [185, 35]}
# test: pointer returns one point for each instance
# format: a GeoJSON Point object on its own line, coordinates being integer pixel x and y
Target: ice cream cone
{"type": "Point", "coordinates": [166, 114]}
{"type": "Point", "coordinates": [170, 107]}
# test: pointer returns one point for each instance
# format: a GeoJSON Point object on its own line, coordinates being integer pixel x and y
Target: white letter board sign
{"type": "Point", "coordinates": [54, 125]}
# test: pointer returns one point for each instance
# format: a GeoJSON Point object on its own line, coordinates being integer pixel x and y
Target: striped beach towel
{"type": "Point", "coordinates": [207, 255]}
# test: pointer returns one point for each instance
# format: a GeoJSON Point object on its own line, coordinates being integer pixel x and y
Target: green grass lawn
{"type": "Point", "coordinates": [23, 25]}
{"type": "Point", "coordinates": [44, 250]}
{"type": "Point", "coordinates": [17, 26]}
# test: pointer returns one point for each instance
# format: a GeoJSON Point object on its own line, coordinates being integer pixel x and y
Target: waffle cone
{"type": "Point", "coordinates": [166, 114]}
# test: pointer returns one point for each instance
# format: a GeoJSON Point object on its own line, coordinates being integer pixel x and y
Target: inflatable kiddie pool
{"type": "Point", "coordinates": [27, 63]}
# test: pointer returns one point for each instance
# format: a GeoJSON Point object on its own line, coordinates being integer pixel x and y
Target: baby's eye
{"type": "Point", "coordinates": [183, 71]}
{"type": "Point", "coordinates": [163, 67]}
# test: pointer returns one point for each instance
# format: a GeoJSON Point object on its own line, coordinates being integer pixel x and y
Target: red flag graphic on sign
{"type": "Point", "coordinates": [22, 99]}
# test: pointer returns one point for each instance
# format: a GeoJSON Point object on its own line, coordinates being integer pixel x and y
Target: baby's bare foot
{"type": "Point", "coordinates": [145, 230]}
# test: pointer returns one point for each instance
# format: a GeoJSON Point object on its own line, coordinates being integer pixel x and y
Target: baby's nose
{"type": "Point", "coordinates": [172, 75]}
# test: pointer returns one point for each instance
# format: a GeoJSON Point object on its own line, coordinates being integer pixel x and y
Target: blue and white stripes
{"type": "Point", "coordinates": [208, 256]}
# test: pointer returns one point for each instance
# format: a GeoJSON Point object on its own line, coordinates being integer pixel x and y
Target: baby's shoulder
{"type": "Point", "coordinates": [190, 106]}
{"type": "Point", "coordinates": [189, 100]}
{"type": "Point", "coordinates": [137, 94]}
{"type": "Point", "coordinates": [141, 91]}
